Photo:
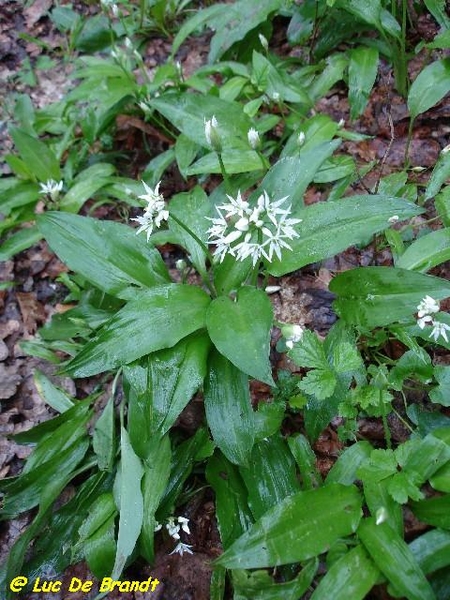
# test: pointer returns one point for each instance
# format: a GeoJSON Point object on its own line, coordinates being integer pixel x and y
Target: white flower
{"type": "Point", "coordinates": [253, 138]}
{"type": "Point", "coordinates": [173, 528]}
{"type": "Point", "coordinates": [181, 548]}
{"type": "Point", "coordinates": [341, 123]}
{"type": "Point", "coordinates": [427, 306]}
{"type": "Point", "coordinates": [264, 42]}
{"type": "Point", "coordinates": [292, 334]}
{"type": "Point", "coordinates": [184, 522]}
{"type": "Point", "coordinates": [393, 219]}
{"type": "Point", "coordinates": [275, 96]}
{"type": "Point", "coordinates": [423, 321]}
{"type": "Point", "coordinates": [439, 329]}
{"type": "Point", "coordinates": [158, 526]}
{"type": "Point", "coordinates": [155, 211]}
{"type": "Point", "coordinates": [212, 135]}
{"type": "Point", "coordinates": [301, 138]}
{"type": "Point", "coordinates": [52, 188]}
{"type": "Point", "coordinates": [260, 230]}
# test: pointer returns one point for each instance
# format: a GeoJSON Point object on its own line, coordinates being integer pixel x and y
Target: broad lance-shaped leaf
{"type": "Point", "coordinates": [299, 527]}
{"type": "Point", "coordinates": [240, 330]}
{"type": "Point", "coordinates": [378, 296]}
{"type": "Point", "coordinates": [395, 560]}
{"type": "Point", "coordinates": [228, 409]}
{"type": "Point", "coordinates": [330, 227]}
{"type": "Point", "coordinates": [109, 255]}
{"type": "Point", "coordinates": [130, 503]}
{"type": "Point", "coordinates": [157, 318]}
{"type": "Point", "coordinates": [427, 251]}
{"type": "Point", "coordinates": [37, 155]}
{"type": "Point", "coordinates": [430, 86]}
{"type": "Point", "coordinates": [352, 576]}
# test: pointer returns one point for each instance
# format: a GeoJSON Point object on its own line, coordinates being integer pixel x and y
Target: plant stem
{"type": "Point", "coordinates": [387, 431]}
{"type": "Point", "coordinates": [226, 179]}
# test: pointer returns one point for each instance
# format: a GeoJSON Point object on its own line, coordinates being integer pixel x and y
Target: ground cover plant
{"type": "Point", "coordinates": [232, 184]}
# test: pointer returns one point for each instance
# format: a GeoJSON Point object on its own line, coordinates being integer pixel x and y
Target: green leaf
{"type": "Point", "coordinates": [156, 319]}
{"type": "Point", "coordinates": [435, 511]}
{"type": "Point", "coordinates": [310, 353]}
{"type": "Point", "coordinates": [239, 19]}
{"type": "Point", "coordinates": [345, 468]}
{"type": "Point", "coordinates": [298, 528]}
{"type": "Point", "coordinates": [270, 475]}
{"type": "Point", "coordinates": [228, 409]}
{"type": "Point", "coordinates": [378, 499]}
{"type": "Point", "coordinates": [198, 19]}
{"type": "Point", "coordinates": [362, 72]}
{"type": "Point", "coordinates": [233, 514]}
{"type": "Point", "coordinates": [86, 184]}
{"type": "Point", "coordinates": [429, 87]}
{"type": "Point", "coordinates": [187, 112]}
{"type": "Point", "coordinates": [130, 504]}
{"type": "Point", "coordinates": [395, 560]}
{"type": "Point", "coordinates": [426, 252]}
{"type": "Point", "coordinates": [320, 383]}
{"type": "Point", "coordinates": [439, 176]}
{"type": "Point", "coordinates": [23, 239]}
{"type": "Point", "coordinates": [37, 156]}
{"type": "Point", "coordinates": [107, 254]}
{"type": "Point", "coordinates": [52, 395]}
{"type": "Point", "coordinates": [306, 461]}
{"type": "Point", "coordinates": [235, 161]}
{"type": "Point", "coordinates": [352, 576]}
{"type": "Point", "coordinates": [432, 550]}
{"type": "Point", "coordinates": [327, 228]}
{"type": "Point", "coordinates": [245, 341]}
{"type": "Point", "coordinates": [378, 296]}
{"type": "Point", "coordinates": [156, 477]}
{"type": "Point", "coordinates": [273, 80]}
{"type": "Point", "coordinates": [259, 585]}
{"type": "Point", "coordinates": [103, 439]}
{"type": "Point", "coordinates": [437, 9]}
{"type": "Point", "coordinates": [441, 393]}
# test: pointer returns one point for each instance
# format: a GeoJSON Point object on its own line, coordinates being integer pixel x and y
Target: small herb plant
{"type": "Point", "coordinates": [155, 337]}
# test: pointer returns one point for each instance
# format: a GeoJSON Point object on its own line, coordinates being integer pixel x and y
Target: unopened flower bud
{"type": "Point", "coordinates": [253, 138]}
{"type": "Point", "coordinates": [445, 149]}
{"type": "Point", "coordinates": [180, 265]}
{"type": "Point", "coordinates": [212, 135]}
{"type": "Point", "coordinates": [381, 515]}
{"type": "Point", "coordinates": [341, 123]}
{"type": "Point", "coordinates": [301, 138]}
{"type": "Point", "coordinates": [264, 42]}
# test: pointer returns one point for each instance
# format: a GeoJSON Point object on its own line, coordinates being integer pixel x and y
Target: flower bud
{"type": "Point", "coordinates": [212, 135]}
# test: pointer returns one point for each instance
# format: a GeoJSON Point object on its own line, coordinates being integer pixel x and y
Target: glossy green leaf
{"type": "Point", "coordinates": [439, 176]}
{"type": "Point", "coordinates": [235, 161]}
{"type": "Point", "coordinates": [345, 468]}
{"type": "Point", "coordinates": [233, 513]}
{"type": "Point", "coordinates": [156, 477]}
{"type": "Point", "coordinates": [259, 585]}
{"type": "Point", "coordinates": [163, 383]}
{"type": "Point", "coordinates": [107, 254]}
{"type": "Point", "coordinates": [270, 475]}
{"type": "Point", "coordinates": [191, 209]}
{"type": "Point", "coordinates": [426, 252]}
{"type": "Point", "coordinates": [52, 395]}
{"type": "Point", "coordinates": [231, 273]}
{"type": "Point", "coordinates": [442, 204]}
{"type": "Point", "coordinates": [16, 193]}
{"type": "Point", "coordinates": [432, 550]}
{"type": "Point", "coordinates": [155, 319]}
{"type": "Point", "coordinates": [429, 87]}
{"type": "Point", "coordinates": [130, 503]}
{"type": "Point", "coordinates": [87, 183]}
{"type": "Point", "coordinates": [187, 112]}
{"type": "Point", "coordinates": [37, 156]}
{"type": "Point", "coordinates": [378, 296]}
{"type": "Point", "coordinates": [228, 409]}
{"type": "Point", "coordinates": [306, 461]}
{"type": "Point", "coordinates": [103, 439]}
{"type": "Point", "coordinates": [441, 479]}
{"type": "Point", "coordinates": [378, 498]}
{"type": "Point", "coordinates": [245, 341]}
{"type": "Point", "coordinates": [435, 511]}
{"type": "Point", "coordinates": [272, 80]}
{"type": "Point", "coordinates": [23, 239]}
{"type": "Point", "coordinates": [394, 559]}
{"type": "Point", "coordinates": [298, 528]}
{"type": "Point", "coordinates": [352, 576]}
{"type": "Point", "coordinates": [330, 227]}
{"type": "Point", "coordinates": [362, 72]}
{"type": "Point", "coordinates": [26, 491]}
{"type": "Point", "coordinates": [291, 175]}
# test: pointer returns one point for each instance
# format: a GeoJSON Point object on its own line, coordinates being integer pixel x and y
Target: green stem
{"type": "Point", "coordinates": [408, 142]}
{"type": "Point", "coordinates": [387, 431]}
{"type": "Point", "coordinates": [226, 179]}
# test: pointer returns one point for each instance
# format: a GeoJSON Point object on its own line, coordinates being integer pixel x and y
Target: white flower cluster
{"type": "Point", "coordinates": [51, 188]}
{"type": "Point", "coordinates": [173, 526]}
{"type": "Point", "coordinates": [292, 334]}
{"type": "Point", "coordinates": [155, 211]}
{"type": "Point", "coordinates": [258, 231]}
{"type": "Point", "coordinates": [425, 311]}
